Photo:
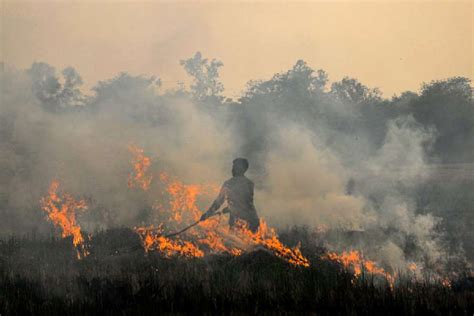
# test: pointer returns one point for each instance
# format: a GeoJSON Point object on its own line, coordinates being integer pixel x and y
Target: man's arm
{"type": "Point", "coordinates": [216, 204]}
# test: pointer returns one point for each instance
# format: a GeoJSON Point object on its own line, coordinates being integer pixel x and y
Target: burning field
{"type": "Point", "coordinates": [210, 236]}
{"type": "Point", "coordinates": [124, 201]}
{"type": "Point", "coordinates": [160, 268]}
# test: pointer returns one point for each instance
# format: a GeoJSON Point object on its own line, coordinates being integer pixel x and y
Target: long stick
{"type": "Point", "coordinates": [188, 227]}
{"type": "Point", "coordinates": [182, 230]}
{"type": "Point", "coordinates": [194, 224]}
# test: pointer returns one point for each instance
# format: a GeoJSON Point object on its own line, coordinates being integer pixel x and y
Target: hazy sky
{"type": "Point", "coordinates": [394, 45]}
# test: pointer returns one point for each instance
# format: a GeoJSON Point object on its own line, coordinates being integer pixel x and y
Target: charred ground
{"type": "Point", "coordinates": [43, 276]}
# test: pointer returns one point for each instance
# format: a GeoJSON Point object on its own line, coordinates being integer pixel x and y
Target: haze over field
{"type": "Point", "coordinates": [327, 149]}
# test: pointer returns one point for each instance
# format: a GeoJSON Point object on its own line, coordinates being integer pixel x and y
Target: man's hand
{"type": "Point", "coordinates": [225, 210]}
{"type": "Point", "coordinates": [205, 216]}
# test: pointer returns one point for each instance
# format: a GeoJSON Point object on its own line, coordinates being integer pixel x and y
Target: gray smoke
{"type": "Point", "coordinates": [334, 167]}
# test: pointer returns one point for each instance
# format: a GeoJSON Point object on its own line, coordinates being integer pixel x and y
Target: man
{"type": "Point", "coordinates": [238, 193]}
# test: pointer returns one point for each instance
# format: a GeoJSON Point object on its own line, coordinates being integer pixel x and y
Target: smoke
{"type": "Point", "coordinates": [305, 184]}
{"type": "Point", "coordinates": [86, 149]}
{"type": "Point", "coordinates": [330, 173]}
{"type": "Point", "coordinates": [389, 179]}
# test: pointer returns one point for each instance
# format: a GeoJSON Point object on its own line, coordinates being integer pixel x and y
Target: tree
{"type": "Point", "coordinates": [352, 91]}
{"type": "Point", "coordinates": [205, 75]}
{"type": "Point", "coordinates": [129, 97]}
{"type": "Point", "coordinates": [300, 80]}
{"type": "Point", "coordinates": [53, 95]}
{"type": "Point", "coordinates": [71, 95]}
{"type": "Point", "coordinates": [448, 105]}
{"type": "Point", "coordinates": [45, 85]}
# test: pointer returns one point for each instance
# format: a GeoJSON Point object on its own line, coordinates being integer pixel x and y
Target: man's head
{"type": "Point", "coordinates": [239, 166]}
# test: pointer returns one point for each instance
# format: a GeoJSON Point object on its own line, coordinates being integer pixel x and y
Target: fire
{"type": "Point", "coordinates": [348, 259]}
{"type": "Point", "coordinates": [210, 236]}
{"type": "Point", "coordinates": [141, 164]}
{"type": "Point", "coordinates": [446, 282]}
{"type": "Point", "coordinates": [216, 235]}
{"type": "Point", "coordinates": [353, 259]}
{"type": "Point", "coordinates": [183, 209]}
{"type": "Point", "coordinates": [183, 198]}
{"type": "Point", "coordinates": [268, 238]}
{"type": "Point", "coordinates": [154, 240]}
{"type": "Point", "coordinates": [61, 211]}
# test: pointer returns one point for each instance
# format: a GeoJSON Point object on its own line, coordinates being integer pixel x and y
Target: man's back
{"type": "Point", "coordinates": [238, 193]}
{"type": "Point", "coordinates": [239, 196]}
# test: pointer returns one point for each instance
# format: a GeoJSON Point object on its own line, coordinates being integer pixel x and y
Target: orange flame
{"type": "Point", "coordinates": [141, 164]}
{"type": "Point", "coordinates": [183, 208]}
{"type": "Point", "coordinates": [353, 259]}
{"type": "Point", "coordinates": [183, 198]}
{"type": "Point", "coordinates": [211, 235]}
{"type": "Point", "coordinates": [61, 211]}
{"type": "Point", "coordinates": [446, 282]}
{"type": "Point", "coordinates": [153, 240]}
{"type": "Point", "coordinates": [268, 238]}
{"type": "Point", "coordinates": [216, 236]}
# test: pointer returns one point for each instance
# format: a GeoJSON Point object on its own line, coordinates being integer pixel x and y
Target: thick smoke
{"type": "Point", "coordinates": [86, 149]}
{"type": "Point", "coordinates": [307, 184]}
{"type": "Point", "coordinates": [338, 165]}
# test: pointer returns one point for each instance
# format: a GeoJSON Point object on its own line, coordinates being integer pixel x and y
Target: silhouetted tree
{"type": "Point", "coordinates": [71, 95]}
{"type": "Point", "coordinates": [53, 95]}
{"type": "Point", "coordinates": [352, 91]}
{"type": "Point", "coordinates": [448, 106]}
{"type": "Point", "coordinates": [205, 75]}
{"type": "Point", "coordinates": [129, 97]}
{"type": "Point", "coordinates": [45, 85]}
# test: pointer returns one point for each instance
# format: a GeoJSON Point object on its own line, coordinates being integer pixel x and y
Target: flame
{"type": "Point", "coordinates": [61, 211]}
{"type": "Point", "coordinates": [446, 282]}
{"type": "Point", "coordinates": [183, 208]}
{"type": "Point", "coordinates": [268, 238]}
{"type": "Point", "coordinates": [216, 235]}
{"type": "Point", "coordinates": [153, 240]}
{"type": "Point", "coordinates": [211, 235]}
{"type": "Point", "coordinates": [141, 164]}
{"type": "Point", "coordinates": [183, 198]}
{"type": "Point", "coordinates": [353, 259]}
